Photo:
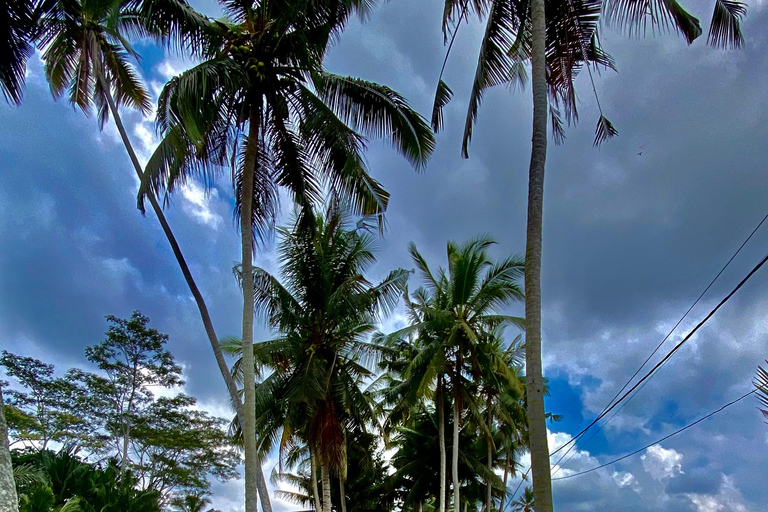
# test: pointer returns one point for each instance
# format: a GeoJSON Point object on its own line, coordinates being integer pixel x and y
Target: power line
{"type": "Point", "coordinates": [674, 350]}
{"type": "Point", "coordinates": [742, 397]}
{"type": "Point", "coordinates": [611, 405]}
{"type": "Point", "coordinates": [604, 411]}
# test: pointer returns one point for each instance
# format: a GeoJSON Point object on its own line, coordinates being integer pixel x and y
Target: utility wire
{"type": "Point", "coordinates": [604, 411]}
{"type": "Point", "coordinates": [611, 405]}
{"type": "Point", "coordinates": [742, 397]}
{"type": "Point", "coordinates": [681, 343]}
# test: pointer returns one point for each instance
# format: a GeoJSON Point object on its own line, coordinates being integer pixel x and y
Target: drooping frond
{"type": "Point", "coordinates": [378, 111]}
{"type": "Point", "coordinates": [604, 131]}
{"type": "Point", "coordinates": [17, 28]}
{"type": "Point", "coordinates": [443, 95]}
{"type": "Point", "coordinates": [725, 28]}
{"type": "Point", "coordinates": [633, 16]}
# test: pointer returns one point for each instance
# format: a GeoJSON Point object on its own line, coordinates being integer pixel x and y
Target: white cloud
{"type": "Point", "coordinates": [662, 463]}
{"type": "Point", "coordinates": [728, 499]}
{"type": "Point", "coordinates": [197, 205]}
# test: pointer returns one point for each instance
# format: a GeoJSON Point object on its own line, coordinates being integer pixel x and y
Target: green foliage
{"type": "Point", "coordinates": [169, 447]}
{"type": "Point", "coordinates": [180, 448]}
{"type": "Point", "coordinates": [42, 411]}
{"type": "Point", "coordinates": [40, 499]}
{"type": "Point", "coordinates": [74, 485]}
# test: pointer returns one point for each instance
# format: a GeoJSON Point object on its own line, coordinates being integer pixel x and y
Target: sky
{"type": "Point", "coordinates": [633, 233]}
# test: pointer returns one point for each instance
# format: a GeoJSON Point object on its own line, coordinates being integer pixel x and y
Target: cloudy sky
{"type": "Point", "coordinates": [630, 241]}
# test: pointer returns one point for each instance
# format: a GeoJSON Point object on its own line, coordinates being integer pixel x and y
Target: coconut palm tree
{"type": "Point", "coordinates": [323, 309]}
{"type": "Point", "coordinates": [503, 387]}
{"type": "Point", "coordinates": [557, 44]}
{"type": "Point", "coordinates": [525, 502]}
{"type": "Point", "coordinates": [17, 28]}
{"type": "Point", "coordinates": [88, 56]}
{"type": "Point", "coordinates": [453, 312]}
{"type": "Point", "coordinates": [262, 101]}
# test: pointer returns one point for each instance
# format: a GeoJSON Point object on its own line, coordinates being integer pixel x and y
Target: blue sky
{"type": "Point", "coordinates": [630, 241]}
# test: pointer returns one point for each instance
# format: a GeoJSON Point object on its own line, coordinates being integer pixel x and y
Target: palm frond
{"type": "Point", "coordinates": [725, 28]}
{"type": "Point", "coordinates": [443, 95]}
{"type": "Point", "coordinates": [378, 111]}
{"type": "Point", "coordinates": [604, 131]}
{"type": "Point", "coordinates": [633, 16]}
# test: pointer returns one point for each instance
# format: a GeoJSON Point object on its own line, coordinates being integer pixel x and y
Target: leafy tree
{"type": "Point", "coordinates": [178, 449]}
{"type": "Point", "coordinates": [133, 359]}
{"type": "Point", "coordinates": [42, 412]}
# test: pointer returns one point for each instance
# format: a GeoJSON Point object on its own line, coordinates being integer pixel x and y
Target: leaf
{"type": "Point", "coordinates": [633, 16]}
{"type": "Point", "coordinates": [725, 29]}
{"type": "Point", "coordinates": [604, 131]}
{"type": "Point", "coordinates": [443, 95]}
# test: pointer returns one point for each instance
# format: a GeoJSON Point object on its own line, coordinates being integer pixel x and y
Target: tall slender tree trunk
{"type": "Point", "coordinates": [326, 478]}
{"type": "Point", "coordinates": [455, 453]}
{"type": "Point", "coordinates": [441, 440]}
{"type": "Point", "coordinates": [342, 495]}
{"type": "Point", "coordinates": [506, 474]}
{"type": "Point", "coordinates": [9, 500]}
{"type": "Point", "coordinates": [537, 426]}
{"type": "Point", "coordinates": [234, 396]}
{"type": "Point", "coordinates": [488, 486]}
{"type": "Point", "coordinates": [249, 377]}
{"type": "Point", "coordinates": [313, 476]}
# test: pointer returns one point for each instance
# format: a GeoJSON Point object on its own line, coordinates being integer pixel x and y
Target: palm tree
{"type": "Point", "coordinates": [503, 387]}
{"type": "Point", "coordinates": [17, 29]}
{"type": "Point", "coordinates": [557, 45]}
{"type": "Point", "coordinates": [323, 310]}
{"type": "Point", "coordinates": [263, 102]}
{"type": "Point", "coordinates": [525, 502]}
{"type": "Point", "coordinates": [87, 54]}
{"type": "Point", "coordinates": [192, 503]}
{"type": "Point", "coordinates": [453, 312]}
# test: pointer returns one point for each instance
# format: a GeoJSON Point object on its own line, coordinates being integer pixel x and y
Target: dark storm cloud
{"type": "Point", "coordinates": [630, 240]}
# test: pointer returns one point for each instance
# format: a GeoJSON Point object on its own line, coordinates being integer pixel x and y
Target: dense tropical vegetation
{"type": "Point", "coordinates": [432, 416]}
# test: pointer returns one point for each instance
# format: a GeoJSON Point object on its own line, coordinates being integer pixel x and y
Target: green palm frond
{"type": "Point", "coordinates": [17, 30]}
{"type": "Point", "coordinates": [378, 112]}
{"type": "Point", "coordinates": [443, 95]}
{"type": "Point", "coordinates": [725, 28]}
{"type": "Point", "coordinates": [604, 131]}
{"type": "Point", "coordinates": [633, 16]}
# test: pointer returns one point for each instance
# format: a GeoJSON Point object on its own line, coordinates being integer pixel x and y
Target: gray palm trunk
{"type": "Point", "coordinates": [441, 441]}
{"type": "Point", "coordinates": [326, 482]}
{"type": "Point", "coordinates": [234, 395]}
{"type": "Point", "coordinates": [249, 377]}
{"type": "Point", "coordinates": [537, 426]}
{"type": "Point", "coordinates": [455, 453]}
{"type": "Point", "coordinates": [342, 495]}
{"type": "Point", "coordinates": [504, 481]}
{"type": "Point", "coordinates": [488, 488]}
{"type": "Point", "coordinates": [313, 476]}
{"type": "Point", "coordinates": [9, 500]}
